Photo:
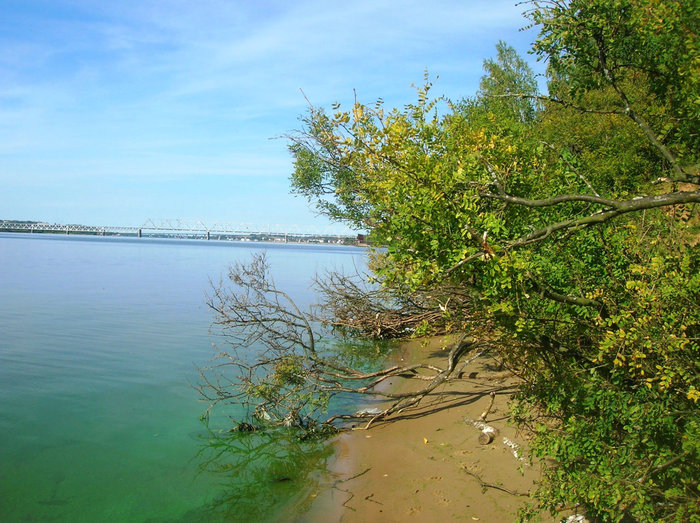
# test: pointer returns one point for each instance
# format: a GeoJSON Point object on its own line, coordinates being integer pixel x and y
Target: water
{"type": "Point", "coordinates": [100, 339]}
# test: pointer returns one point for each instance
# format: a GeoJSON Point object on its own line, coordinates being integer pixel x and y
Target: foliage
{"type": "Point", "coordinates": [508, 84]}
{"type": "Point", "coordinates": [601, 43]}
{"type": "Point", "coordinates": [570, 222]}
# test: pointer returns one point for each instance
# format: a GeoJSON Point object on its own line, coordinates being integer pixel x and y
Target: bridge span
{"type": "Point", "coordinates": [177, 229]}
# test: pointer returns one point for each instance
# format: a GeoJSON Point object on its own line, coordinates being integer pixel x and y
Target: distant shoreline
{"type": "Point", "coordinates": [17, 227]}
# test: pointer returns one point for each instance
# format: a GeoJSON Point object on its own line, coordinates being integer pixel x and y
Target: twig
{"type": "Point", "coordinates": [485, 485]}
{"type": "Point", "coordinates": [488, 410]}
{"type": "Point", "coordinates": [337, 482]}
{"type": "Point", "coordinates": [352, 477]}
{"type": "Point", "coordinates": [368, 498]}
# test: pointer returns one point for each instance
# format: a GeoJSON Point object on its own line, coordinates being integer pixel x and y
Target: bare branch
{"type": "Point", "coordinates": [563, 103]}
{"type": "Point", "coordinates": [555, 200]}
{"type": "Point", "coordinates": [276, 368]}
{"type": "Point", "coordinates": [352, 305]}
{"type": "Point", "coordinates": [620, 208]}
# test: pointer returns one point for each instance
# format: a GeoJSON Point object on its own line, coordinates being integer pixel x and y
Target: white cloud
{"type": "Point", "coordinates": [160, 88]}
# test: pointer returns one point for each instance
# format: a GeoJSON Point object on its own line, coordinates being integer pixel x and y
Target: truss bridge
{"type": "Point", "coordinates": [181, 229]}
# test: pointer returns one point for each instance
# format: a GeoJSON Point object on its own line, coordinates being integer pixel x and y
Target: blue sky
{"type": "Point", "coordinates": [113, 113]}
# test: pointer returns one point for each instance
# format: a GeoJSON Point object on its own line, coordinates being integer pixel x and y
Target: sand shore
{"type": "Point", "coordinates": [422, 465]}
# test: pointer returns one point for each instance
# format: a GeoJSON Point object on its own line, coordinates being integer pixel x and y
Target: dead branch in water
{"type": "Point", "coordinates": [285, 365]}
{"type": "Point", "coordinates": [352, 305]}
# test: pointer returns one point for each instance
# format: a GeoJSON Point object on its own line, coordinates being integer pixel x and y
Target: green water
{"type": "Point", "coordinates": [100, 340]}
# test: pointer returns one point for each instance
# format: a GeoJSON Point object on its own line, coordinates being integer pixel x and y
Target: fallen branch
{"type": "Point", "coordinates": [281, 368]}
{"type": "Point", "coordinates": [488, 409]}
{"type": "Point", "coordinates": [337, 482]}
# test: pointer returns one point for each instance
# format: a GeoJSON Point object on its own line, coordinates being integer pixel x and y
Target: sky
{"type": "Point", "coordinates": [116, 113]}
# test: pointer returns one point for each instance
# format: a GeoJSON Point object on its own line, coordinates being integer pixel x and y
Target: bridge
{"type": "Point", "coordinates": [180, 229]}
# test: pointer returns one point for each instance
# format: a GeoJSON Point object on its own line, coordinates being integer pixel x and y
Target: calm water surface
{"type": "Point", "coordinates": [99, 343]}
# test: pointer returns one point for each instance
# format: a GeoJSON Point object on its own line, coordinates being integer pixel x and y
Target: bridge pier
{"type": "Point", "coordinates": [207, 235]}
{"type": "Point", "coordinates": [138, 233]}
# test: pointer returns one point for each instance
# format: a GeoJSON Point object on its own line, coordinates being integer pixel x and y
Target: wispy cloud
{"type": "Point", "coordinates": [154, 87]}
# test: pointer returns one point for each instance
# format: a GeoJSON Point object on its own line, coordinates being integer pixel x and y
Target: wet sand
{"type": "Point", "coordinates": [421, 465]}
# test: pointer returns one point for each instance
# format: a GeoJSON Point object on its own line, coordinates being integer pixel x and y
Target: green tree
{"type": "Point", "coordinates": [509, 86]}
{"type": "Point", "coordinates": [571, 224]}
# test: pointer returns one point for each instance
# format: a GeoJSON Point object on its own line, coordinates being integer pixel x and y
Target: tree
{"type": "Point", "coordinates": [509, 86]}
{"type": "Point", "coordinates": [573, 229]}
{"type": "Point", "coordinates": [607, 43]}
{"type": "Point", "coordinates": [565, 222]}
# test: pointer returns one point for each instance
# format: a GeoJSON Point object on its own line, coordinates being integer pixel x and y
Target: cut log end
{"type": "Point", "coordinates": [486, 437]}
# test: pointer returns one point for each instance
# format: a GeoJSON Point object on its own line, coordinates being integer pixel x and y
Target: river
{"type": "Point", "coordinates": [100, 344]}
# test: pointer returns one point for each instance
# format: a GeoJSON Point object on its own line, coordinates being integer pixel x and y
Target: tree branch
{"type": "Point", "coordinates": [555, 200]}
{"type": "Point", "coordinates": [620, 208]}
{"type": "Point", "coordinates": [573, 168]}
{"type": "Point", "coordinates": [283, 378]}
{"type": "Point", "coordinates": [563, 103]}
{"type": "Point", "coordinates": [546, 291]}
{"type": "Point", "coordinates": [646, 129]}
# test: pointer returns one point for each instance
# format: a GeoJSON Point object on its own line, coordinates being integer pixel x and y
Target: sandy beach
{"type": "Point", "coordinates": [427, 464]}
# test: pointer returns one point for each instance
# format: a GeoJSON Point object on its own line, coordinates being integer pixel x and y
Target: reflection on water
{"type": "Point", "coordinates": [259, 473]}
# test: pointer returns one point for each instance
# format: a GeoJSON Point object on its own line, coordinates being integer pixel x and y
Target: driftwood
{"type": "Point", "coordinates": [486, 437]}
{"type": "Point", "coordinates": [488, 433]}
{"type": "Point", "coordinates": [485, 485]}
{"type": "Point", "coordinates": [488, 409]}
